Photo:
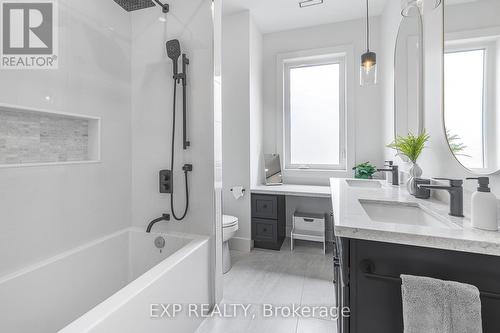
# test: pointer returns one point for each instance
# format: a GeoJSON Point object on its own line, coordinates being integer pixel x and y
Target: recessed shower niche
{"type": "Point", "coordinates": [39, 137]}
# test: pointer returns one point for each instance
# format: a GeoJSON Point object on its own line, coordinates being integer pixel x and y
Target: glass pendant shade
{"type": "Point", "coordinates": [368, 70]}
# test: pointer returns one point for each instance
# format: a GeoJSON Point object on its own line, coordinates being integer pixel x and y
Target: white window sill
{"type": "Point", "coordinates": [314, 170]}
{"type": "Point", "coordinates": [314, 176]}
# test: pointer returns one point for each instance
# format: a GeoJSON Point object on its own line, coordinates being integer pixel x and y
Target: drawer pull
{"type": "Point", "coordinates": [308, 220]}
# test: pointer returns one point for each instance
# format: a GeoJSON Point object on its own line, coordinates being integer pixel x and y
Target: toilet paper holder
{"type": "Point", "coordinates": [243, 190]}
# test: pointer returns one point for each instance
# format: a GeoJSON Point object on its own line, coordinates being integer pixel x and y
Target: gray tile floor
{"type": "Point", "coordinates": [303, 277]}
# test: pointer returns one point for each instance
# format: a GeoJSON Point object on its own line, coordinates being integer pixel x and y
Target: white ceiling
{"type": "Point", "coordinates": [279, 15]}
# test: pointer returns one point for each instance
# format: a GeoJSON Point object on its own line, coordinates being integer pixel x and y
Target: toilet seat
{"type": "Point", "coordinates": [229, 221]}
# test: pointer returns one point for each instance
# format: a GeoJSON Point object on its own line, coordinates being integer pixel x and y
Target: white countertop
{"type": "Point", "coordinates": [352, 221]}
{"type": "Point", "coordinates": [294, 190]}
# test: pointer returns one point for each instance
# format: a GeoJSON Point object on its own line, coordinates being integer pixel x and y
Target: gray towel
{"type": "Point", "coordinates": [436, 306]}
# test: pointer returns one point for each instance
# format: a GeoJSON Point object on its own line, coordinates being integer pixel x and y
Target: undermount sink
{"type": "Point", "coordinates": [364, 183]}
{"type": "Point", "coordinates": [402, 213]}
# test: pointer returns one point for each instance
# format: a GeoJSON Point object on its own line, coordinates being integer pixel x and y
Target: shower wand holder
{"type": "Point", "coordinates": [179, 77]}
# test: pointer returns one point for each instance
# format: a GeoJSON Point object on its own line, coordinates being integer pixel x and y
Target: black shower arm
{"type": "Point", "coordinates": [165, 7]}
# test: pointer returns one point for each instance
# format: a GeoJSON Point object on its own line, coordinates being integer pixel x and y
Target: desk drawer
{"type": "Point", "coordinates": [265, 206]}
{"type": "Point", "coordinates": [264, 230]}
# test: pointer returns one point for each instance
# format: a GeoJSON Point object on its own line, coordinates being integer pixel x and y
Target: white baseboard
{"type": "Point", "coordinates": [241, 244]}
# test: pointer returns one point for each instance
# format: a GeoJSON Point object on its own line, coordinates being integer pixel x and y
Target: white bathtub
{"type": "Point", "coordinates": [108, 286]}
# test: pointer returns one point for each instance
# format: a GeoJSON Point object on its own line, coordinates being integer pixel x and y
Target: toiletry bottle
{"type": "Point", "coordinates": [388, 175]}
{"type": "Point", "coordinates": [484, 207]}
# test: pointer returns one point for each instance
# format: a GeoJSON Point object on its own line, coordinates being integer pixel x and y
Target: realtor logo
{"type": "Point", "coordinates": [29, 34]}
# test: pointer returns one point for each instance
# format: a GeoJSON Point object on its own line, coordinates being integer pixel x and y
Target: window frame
{"type": "Point", "coordinates": [319, 59]}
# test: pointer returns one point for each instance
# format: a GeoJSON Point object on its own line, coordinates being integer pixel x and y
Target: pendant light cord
{"type": "Point", "coordinates": [367, 28]}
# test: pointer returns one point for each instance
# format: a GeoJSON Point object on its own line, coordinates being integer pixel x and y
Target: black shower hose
{"type": "Point", "coordinates": [172, 164]}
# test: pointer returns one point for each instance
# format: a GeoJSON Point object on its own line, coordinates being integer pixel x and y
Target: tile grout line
{"type": "Point", "coordinates": [301, 298]}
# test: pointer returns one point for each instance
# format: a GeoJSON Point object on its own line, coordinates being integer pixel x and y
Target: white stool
{"type": "Point", "coordinates": [307, 226]}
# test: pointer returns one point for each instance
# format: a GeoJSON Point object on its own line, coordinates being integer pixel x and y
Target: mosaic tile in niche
{"type": "Point", "coordinates": [29, 137]}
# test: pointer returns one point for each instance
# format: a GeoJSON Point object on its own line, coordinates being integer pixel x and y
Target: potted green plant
{"type": "Point", "coordinates": [364, 171]}
{"type": "Point", "coordinates": [411, 147]}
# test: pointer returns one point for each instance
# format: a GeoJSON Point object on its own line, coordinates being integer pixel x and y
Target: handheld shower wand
{"type": "Point", "coordinates": [174, 52]}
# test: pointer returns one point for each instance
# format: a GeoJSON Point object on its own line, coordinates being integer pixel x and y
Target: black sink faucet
{"type": "Point", "coordinates": [456, 191]}
{"type": "Point", "coordinates": [393, 169]}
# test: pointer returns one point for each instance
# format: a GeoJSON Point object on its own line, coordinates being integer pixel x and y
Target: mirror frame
{"type": "Point", "coordinates": [443, 104]}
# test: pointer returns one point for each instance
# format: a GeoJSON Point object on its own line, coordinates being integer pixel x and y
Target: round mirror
{"type": "Point", "coordinates": [472, 83]}
{"type": "Point", "coordinates": [408, 73]}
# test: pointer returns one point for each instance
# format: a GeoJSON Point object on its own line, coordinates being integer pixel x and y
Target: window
{"type": "Point", "coordinates": [465, 103]}
{"type": "Point", "coordinates": [314, 108]}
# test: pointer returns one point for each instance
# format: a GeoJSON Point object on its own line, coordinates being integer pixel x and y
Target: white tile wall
{"type": "Point", "coordinates": [152, 89]}
{"type": "Point", "coordinates": [45, 210]}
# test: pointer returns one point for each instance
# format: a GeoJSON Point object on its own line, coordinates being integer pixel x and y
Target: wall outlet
{"type": "Point", "coordinates": [166, 181]}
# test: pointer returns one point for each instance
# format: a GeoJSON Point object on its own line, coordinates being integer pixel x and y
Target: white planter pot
{"type": "Point", "coordinates": [415, 172]}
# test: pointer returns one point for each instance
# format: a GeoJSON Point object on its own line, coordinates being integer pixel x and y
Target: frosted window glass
{"type": "Point", "coordinates": [464, 103]}
{"type": "Point", "coordinates": [315, 115]}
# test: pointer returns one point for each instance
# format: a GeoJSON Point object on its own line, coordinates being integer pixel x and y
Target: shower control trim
{"type": "Point", "coordinates": [166, 181]}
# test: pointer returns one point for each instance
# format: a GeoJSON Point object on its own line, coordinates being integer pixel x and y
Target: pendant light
{"type": "Point", "coordinates": [368, 70]}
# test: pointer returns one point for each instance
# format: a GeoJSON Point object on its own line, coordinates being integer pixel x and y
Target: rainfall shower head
{"type": "Point", "coordinates": [131, 5]}
{"type": "Point", "coordinates": [174, 52]}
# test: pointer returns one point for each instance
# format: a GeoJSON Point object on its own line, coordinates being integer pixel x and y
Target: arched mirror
{"type": "Point", "coordinates": [408, 72]}
{"type": "Point", "coordinates": [472, 83]}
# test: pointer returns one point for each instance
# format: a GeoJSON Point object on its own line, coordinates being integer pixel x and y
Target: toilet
{"type": "Point", "coordinates": [229, 228]}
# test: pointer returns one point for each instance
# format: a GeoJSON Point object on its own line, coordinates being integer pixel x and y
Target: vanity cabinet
{"type": "Point", "coordinates": [268, 221]}
{"type": "Point", "coordinates": [374, 287]}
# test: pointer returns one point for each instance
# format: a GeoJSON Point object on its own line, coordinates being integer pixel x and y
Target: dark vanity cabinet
{"type": "Point", "coordinates": [374, 287]}
{"type": "Point", "coordinates": [268, 221]}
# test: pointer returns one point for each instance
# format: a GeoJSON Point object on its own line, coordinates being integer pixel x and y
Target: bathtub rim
{"type": "Point", "coordinates": [65, 254]}
{"type": "Point", "coordinates": [114, 302]}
